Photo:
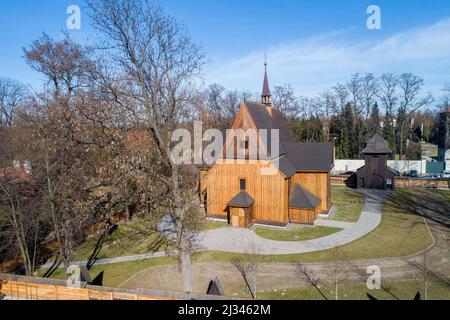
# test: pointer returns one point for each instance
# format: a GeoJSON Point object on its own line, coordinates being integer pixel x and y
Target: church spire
{"type": "Point", "coordinates": [265, 96]}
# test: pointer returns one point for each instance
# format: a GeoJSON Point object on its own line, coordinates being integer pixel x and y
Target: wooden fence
{"type": "Point", "coordinates": [422, 183]}
{"type": "Point", "coordinates": [399, 182]}
{"type": "Point", "coordinates": [30, 288]}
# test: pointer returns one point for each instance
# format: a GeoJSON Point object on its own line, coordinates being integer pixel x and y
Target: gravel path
{"type": "Point", "coordinates": [242, 240]}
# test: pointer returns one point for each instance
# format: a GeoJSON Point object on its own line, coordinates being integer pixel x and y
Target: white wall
{"type": "Point", "coordinates": [341, 166]}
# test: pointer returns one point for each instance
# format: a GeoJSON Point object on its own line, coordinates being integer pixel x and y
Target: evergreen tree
{"type": "Point", "coordinates": [348, 141]}
{"type": "Point", "coordinates": [388, 132]}
{"type": "Point", "coordinates": [374, 121]}
{"type": "Point", "coordinates": [401, 130]}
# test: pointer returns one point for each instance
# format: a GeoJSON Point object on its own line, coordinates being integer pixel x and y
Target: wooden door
{"type": "Point", "coordinates": [241, 214]}
{"type": "Point", "coordinates": [234, 220]}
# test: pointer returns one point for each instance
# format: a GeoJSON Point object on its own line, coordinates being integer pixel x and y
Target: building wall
{"type": "Point", "coordinates": [270, 192]}
{"type": "Point", "coordinates": [303, 216]}
{"type": "Point", "coordinates": [318, 183]}
{"type": "Point", "coordinates": [375, 174]}
{"type": "Point", "coordinates": [342, 166]}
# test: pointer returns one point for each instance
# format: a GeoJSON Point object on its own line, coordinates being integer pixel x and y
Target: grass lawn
{"type": "Point", "coordinates": [347, 202]}
{"type": "Point", "coordinates": [215, 224]}
{"type": "Point", "coordinates": [430, 150]}
{"type": "Point", "coordinates": [116, 273]}
{"type": "Point", "coordinates": [296, 233]}
{"type": "Point", "coordinates": [402, 232]}
{"type": "Point", "coordinates": [129, 239]}
{"type": "Point", "coordinates": [444, 194]}
{"type": "Point", "coordinates": [394, 290]}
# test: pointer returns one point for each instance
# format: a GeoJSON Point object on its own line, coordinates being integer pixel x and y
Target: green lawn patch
{"type": "Point", "coordinates": [445, 194]}
{"type": "Point", "coordinates": [215, 224]}
{"type": "Point", "coordinates": [393, 290]}
{"type": "Point", "coordinates": [347, 202]}
{"type": "Point", "coordinates": [132, 238]}
{"type": "Point", "coordinates": [296, 233]}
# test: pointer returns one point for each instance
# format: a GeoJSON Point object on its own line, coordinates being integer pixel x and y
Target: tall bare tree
{"type": "Point", "coordinates": [410, 101]}
{"type": "Point", "coordinates": [160, 62]}
{"type": "Point", "coordinates": [20, 223]}
{"type": "Point", "coordinates": [58, 134]}
{"type": "Point", "coordinates": [248, 266]}
{"type": "Point", "coordinates": [285, 100]}
{"type": "Point", "coordinates": [337, 273]}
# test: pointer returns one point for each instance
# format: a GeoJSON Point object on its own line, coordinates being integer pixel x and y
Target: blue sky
{"type": "Point", "coordinates": [311, 44]}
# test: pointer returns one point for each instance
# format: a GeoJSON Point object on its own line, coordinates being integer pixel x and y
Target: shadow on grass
{"type": "Point", "coordinates": [55, 265]}
{"type": "Point", "coordinates": [434, 207]}
{"type": "Point", "coordinates": [363, 276]}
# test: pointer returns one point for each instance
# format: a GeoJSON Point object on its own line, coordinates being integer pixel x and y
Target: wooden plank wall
{"type": "Point", "coordinates": [318, 184]}
{"type": "Point", "coordinates": [303, 216]}
{"type": "Point", "coordinates": [268, 191]}
{"type": "Point", "coordinates": [32, 291]}
{"type": "Point", "coordinates": [31, 288]}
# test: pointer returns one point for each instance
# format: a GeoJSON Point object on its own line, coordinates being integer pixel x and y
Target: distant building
{"type": "Point", "coordinates": [444, 138]}
{"type": "Point", "coordinates": [376, 174]}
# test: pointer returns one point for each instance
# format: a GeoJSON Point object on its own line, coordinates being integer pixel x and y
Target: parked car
{"type": "Point", "coordinates": [430, 176]}
{"type": "Point", "coordinates": [445, 174]}
{"type": "Point", "coordinates": [414, 174]}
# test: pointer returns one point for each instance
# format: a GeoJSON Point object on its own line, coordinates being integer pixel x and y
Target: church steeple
{"type": "Point", "coordinates": [266, 96]}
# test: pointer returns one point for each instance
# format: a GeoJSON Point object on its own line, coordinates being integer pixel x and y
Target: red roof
{"type": "Point", "coordinates": [18, 175]}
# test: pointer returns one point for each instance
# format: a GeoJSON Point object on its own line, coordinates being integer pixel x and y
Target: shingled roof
{"type": "Point", "coordinates": [302, 199]}
{"type": "Point", "coordinates": [293, 156]}
{"type": "Point", "coordinates": [241, 200]}
{"type": "Point", "coordinates": [310, 156]}
{"type": "Point", "coordinates": [377, 145]}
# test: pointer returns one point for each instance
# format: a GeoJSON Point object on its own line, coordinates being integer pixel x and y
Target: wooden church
{"type": "Point", "coordinates": [291, 185]}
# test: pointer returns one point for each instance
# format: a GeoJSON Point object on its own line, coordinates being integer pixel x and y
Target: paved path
{"type": "Point", "coordinates": [241, 240]}
{"type": "Point", "coordinates": [118, 259]}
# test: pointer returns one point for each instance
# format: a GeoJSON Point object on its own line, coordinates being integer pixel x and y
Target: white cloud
{"type": "Point", "coordinates": [316, 64]}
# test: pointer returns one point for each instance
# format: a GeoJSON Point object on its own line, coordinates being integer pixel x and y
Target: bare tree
{"type": "Point", "coordinates": [410, 100]}
{"type": "Point", "coordinates": [248, 266]}
{"type": "Point", "coordinates": [12, 96]}
{"type": "Point", "coordinates": [354, 87]}
{"type": "Point", "coordinates": [388, 91]}
{"type": "Point", "coordinates": [369, 90]}
{"type": "Point", "coordinates": [327, 101]}
{"type": "Point", "coordinates": [337, 273]}
{"type": "Point", "coordinates": [57, 135]}
{"type": "Point", "coordinates": [21, 216]}
{"type": "Point", "coordinates": [342, 95]}
{"type": "Point", "coordinates": [160, 62]}
{"type": "Point", "coordinates": [310, 277]}
{"type": "Point", "coordinates": [286, 101]}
